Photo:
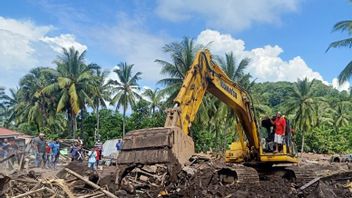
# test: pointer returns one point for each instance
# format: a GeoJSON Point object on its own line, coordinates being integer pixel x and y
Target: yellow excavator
{"type": "Point", "coordinates": [172, 144]}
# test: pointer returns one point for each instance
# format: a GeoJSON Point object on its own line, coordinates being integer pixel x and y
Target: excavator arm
{"type": "Point", "coordinates": [206, 76]}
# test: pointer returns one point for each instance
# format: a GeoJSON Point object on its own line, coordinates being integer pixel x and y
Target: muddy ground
{"type": "Point", "coordinates": [202, 179]}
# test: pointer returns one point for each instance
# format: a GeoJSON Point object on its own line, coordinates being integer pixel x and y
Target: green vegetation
{"type": "Point", "coordinates": [73, 99]}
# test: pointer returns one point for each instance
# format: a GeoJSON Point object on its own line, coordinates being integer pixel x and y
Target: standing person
{"type": "Point", "coordinates": [288, 135]}
{"type": "Point", "coordinates": [92, 155]}
{"type": "Point", "coordinates": [5, 147]}
{"type": "Point", "coordinates": [98, 152]}
{"type": "Point", "coordinates": [55, 152]}
{"type": "Point", "coordinates": [47, 155]}
{"type": "Point", "coordinates": [39, 149]}
{"type": "Point", "coordinates": [266, 124]}
{"type": "Point", "coordinates": [280, 127]}
{"type": "Point", "coordinates": [74, 151]}
{"type": "Point", "coordinates": [118, 145]}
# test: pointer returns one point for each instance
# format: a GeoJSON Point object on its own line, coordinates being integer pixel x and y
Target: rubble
{"type": "Point", "coordinates": [203, 176]}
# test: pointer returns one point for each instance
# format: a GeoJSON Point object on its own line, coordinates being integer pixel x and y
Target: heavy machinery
{"type": "Point", "coordinates": [172, 144]}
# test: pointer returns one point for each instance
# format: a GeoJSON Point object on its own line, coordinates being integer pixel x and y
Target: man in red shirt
{"type": "Point", "coordinates": [280, 128]}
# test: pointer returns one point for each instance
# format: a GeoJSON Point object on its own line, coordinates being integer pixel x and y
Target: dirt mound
{"type": "Point", "coordinates": [206, 178]}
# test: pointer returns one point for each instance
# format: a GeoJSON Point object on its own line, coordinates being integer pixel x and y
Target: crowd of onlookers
{"type": "Point", "coordinates": [47, 152]}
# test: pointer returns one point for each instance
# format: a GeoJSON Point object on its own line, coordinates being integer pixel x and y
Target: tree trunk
{"type": "Point", "coordinates": [74, 125]}
{"type": "Point", "coordinates": [69, 124]}
{"type": "Point", "coordinates": [225, 142]}
{"type": "Point", "coordinates": [38, 127]}
{"type": "Point", "coordinates": [98, 123]}
{"type": "Point", "coordinates": [302, 147]}
{"type": "Point", "coordinates": [124, 122]}
{"type": "Point", "coordinates": [81, 125]}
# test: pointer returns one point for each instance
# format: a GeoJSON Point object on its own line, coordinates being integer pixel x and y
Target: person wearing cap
{"type": "Point", "coordinates": [280, 127]}
{"type": "Point", "coordinates": [39, 146]}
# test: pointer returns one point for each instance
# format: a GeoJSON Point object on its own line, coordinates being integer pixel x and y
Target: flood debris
{"type": "Point", "coordinates": [203, 176]}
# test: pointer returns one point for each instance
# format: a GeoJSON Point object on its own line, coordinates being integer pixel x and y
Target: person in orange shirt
{"type": "Point", "coordinates": [280, 128]}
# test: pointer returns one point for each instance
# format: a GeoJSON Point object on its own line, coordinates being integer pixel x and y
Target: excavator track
{"type": "Point", "coordinates": [302, 175]}
{"type": "Point", "coordinates": [242, 174]}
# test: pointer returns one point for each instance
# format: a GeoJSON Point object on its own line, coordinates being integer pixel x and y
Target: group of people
{"type": "Point", "coordinates": [279, 132]}
{"type": "Point", "coordinates": [94, 155]}
{"type": "Point", "coordinates": [46, 152]}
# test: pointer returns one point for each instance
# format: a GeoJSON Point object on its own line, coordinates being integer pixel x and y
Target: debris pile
{"type": "Point", "coordinates": [66, 183]}
{"type": "Point", "coordinates": [203, 176]}
{"type": "Point", "coordinates": [209, 177]}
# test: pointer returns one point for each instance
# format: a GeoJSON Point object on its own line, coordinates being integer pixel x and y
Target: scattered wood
{"type": "Point", "coordinates": [109, 194]}
{"type": "Point", "coordinates": [64, 187]}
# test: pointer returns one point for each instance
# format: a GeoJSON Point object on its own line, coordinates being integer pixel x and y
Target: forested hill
{"type": "Point", "coordinates": [276, 94]}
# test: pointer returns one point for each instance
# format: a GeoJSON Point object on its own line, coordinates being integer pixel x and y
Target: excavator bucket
{"type": "Point", "coordinates": [163, 145]}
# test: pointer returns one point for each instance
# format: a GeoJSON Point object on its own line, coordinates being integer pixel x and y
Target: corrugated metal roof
{"type": "Point", "coordinates": [8, 132]}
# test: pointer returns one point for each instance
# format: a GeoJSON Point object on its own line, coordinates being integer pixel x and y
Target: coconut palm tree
{"type": "Point", "coordinates": [101, 94]}
{"type": "Point", "coordinates": [233, 70]}
{"type": "Point", "coordinates": [33, 106]}
{"type": "Point", "coordinates": [323, 114]}
{"type": "Point", "coordinates": [125, 89]}
{"type": "Point", "coordinates": [301, 103]}
{"type": "Point", "coordinates": [74, 85]}
{"type": "Point", "coordinates": [154, 97]}
{"type": "Point", "coordinates": [341, 114]}
{"type": "Point", "coordinates": [182, 56]}
{"type": "Point", "coordinates": [10, 102]}
{"type": "Point", "coordinates": [343, 26]}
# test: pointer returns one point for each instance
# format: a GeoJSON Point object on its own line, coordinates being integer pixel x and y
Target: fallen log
{"type": "Point", "coordinates": [313, 181]}
{"type": "Point", "coordinates": [97, 196]}
{"type": "Point", "coordinates": [7, 158]}
{"type": "Point", "coordinates": [30, 192]}
{"type": "Point", "coordinates": [109, 194]}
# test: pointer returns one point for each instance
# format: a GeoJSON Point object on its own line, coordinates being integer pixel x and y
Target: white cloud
{"type": "Point", "coordinates": [24, 45]}
{"type": "Point", "coordinates": [344, 87]}
{"type": "Point", "coordinates": [266, 63]}
{"type": "Point", "coordinates": [228, 15]}
{"type": "Point", "coordinates": [64, 41]}
{"type": "Point", "coordinates": [129, 40]}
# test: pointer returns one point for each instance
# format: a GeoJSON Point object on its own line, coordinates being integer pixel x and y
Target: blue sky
{"type": "Point", "coordinates": [285, 40]}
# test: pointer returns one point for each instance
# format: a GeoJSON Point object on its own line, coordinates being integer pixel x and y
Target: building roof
{"type": "Point", "coordinates": [8, 132]}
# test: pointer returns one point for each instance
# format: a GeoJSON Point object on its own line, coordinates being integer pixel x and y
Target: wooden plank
{"type": "Point", "coordinates": [313, 181]}
{"type": "Point", "coordinates": [29, 193]}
